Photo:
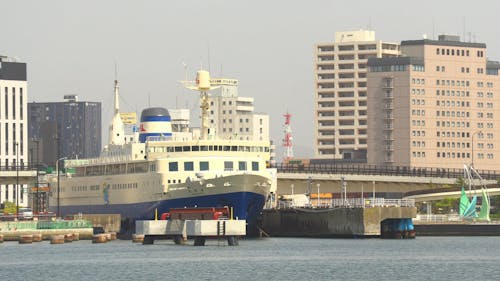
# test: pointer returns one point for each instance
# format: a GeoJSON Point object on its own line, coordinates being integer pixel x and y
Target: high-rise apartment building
{"type": "Point", "coordinates": [66, 129]}
{"type": "Point", "coordinates": [340, 102]}
{"type": "Point", "coordinates": [436, 106]}
{"type": "Point", "coordinates": [13, 125]}
{"type": "Point", "coordinates": [232, 116]}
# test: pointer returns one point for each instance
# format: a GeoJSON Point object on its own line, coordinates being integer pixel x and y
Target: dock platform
{"type": "Point", "coordinates": [199, 230]}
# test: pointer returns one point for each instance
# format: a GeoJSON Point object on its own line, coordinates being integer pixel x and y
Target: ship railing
{"type": "Point", "coordinates": [101, 160]}
{"type": "Point", "coordinates": [158, 138]}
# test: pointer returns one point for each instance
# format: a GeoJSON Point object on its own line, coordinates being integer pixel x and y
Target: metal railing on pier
{"type": "Point", "coordinates": [350, 203]}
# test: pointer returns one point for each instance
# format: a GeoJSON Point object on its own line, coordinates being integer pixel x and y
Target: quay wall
{"type": "Point", "coordinates": [12, 230]}
{"type": "Point", "coordinates": [458, 229]}
{"type": "Point", "coordinates": [338, 222]}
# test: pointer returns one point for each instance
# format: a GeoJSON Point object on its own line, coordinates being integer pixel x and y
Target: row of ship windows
{"type": "Point", "coordinates": [115, 186]}
{"type": "Point", "coordinates": [113, 169]}
{"type": "Point", "coordinates": [205, 166]}
{"type": "Point", "coordinates": [188, 148]}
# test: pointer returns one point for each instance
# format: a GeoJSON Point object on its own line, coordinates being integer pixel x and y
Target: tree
{"type": "Point", "coordinates": [9, 207]}
{"type": "Point", "coordinates": [460, 182]}
{"type": "Point", "coordinates": [446, 205]}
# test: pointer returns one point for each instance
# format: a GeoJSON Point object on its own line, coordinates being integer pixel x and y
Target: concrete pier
{"type": "Point", "coordinates": [199, 230]}
{"type": "Point", "coordinates": [331, 222]}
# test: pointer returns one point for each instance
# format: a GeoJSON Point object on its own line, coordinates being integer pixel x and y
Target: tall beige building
{"type": "Point", "coordinates": [437, 106]}
{"type": "Point", "coordinates": [340, 100]}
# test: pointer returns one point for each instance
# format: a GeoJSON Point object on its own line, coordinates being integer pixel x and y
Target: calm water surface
{"type": "Point", "coordinates": [425, 258]}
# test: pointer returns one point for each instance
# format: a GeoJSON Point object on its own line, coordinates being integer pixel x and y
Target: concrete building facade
{"type": "Point", "coordinates": [437, 106]}
{"type": "Point", "coordinates": [13, 126]}
{"type": "Point", "coordinates": [340, 100]}
{"type": "Point", "coordinates": [232, 116]}
{"type": "Point", "coordinates": [66, 129]}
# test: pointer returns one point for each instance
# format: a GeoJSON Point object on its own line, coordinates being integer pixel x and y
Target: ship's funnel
{"type": "Point", "coordinates": [155, 121]}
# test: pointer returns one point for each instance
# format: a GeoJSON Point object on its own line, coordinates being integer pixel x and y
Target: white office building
{"type": "Point", "coordinates": [13, 127]}
{"type": "Point", "coordinates": [232, 116]}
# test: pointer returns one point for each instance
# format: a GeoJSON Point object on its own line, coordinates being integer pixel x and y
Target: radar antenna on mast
{"type": "Point", "coordinates": [202, 85]}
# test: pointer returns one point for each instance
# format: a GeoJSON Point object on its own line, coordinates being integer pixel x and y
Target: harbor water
{"type": "Point", "coordinates": [425, 258]}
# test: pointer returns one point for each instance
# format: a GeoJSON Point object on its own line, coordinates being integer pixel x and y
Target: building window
{"type": "Point", "coordinates": [13, 103]}
{"type": "Point", "coordinates": [21, 103]}
{"type": "Point", "coordinates": [6, 103]}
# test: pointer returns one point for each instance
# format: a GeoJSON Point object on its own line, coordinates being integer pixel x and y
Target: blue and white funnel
{"type": "Point", "coordinates": [155, 121]}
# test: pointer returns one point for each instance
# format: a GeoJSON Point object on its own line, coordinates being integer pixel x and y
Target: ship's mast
{"type": "Point", "coordinates": [202, 85]}
{"type": "Point", "coordinates": [116, 130]}
{"type": "Point", "coordinates": [117, 98]}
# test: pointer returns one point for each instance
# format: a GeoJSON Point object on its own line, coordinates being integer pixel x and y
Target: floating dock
{"type": "Point", "coordinates": [199, 230]}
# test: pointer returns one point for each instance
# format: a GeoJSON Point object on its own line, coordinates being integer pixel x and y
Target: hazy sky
{"type": "Point", "coordinates": [71, 47]}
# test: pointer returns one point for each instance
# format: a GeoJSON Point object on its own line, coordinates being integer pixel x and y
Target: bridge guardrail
{"type": "Point", "coordinates": [365, 169]}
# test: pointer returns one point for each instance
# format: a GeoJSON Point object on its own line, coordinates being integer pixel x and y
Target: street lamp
{"type": "Point", "coordinates": [58, 188]}
{"type": "Point", "coordinates": [17, 180]}
{"type": "Point", "coordinates": [37, 209]}
{"type": "Point", "coordinates": [317, 185]}
{"type": "Point", "coordinates": [472, 137]}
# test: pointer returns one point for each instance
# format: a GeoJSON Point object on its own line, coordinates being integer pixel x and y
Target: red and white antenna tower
{"type": "Point", "coordinates": [287, 140]}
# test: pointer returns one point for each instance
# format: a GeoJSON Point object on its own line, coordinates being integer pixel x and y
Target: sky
{"type": "Point", "coordinates": [72, 47]}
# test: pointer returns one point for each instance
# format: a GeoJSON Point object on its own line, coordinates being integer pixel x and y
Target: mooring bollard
{"type": "Point", "coordinates": [68, 238]}
{"type": "Point", "coordinates": [99, 238]}
{"type": "Point", "coordinates": [57, 239]}
{"type": "Point", "coordinates": [137, 238]}
{"type": "Point", "coordinates": [37, 237]}
{"type": "Point", "coordinates": [26, 239]}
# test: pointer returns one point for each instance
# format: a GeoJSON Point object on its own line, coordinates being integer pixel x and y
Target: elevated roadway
{"type": "Point", "coordinates": [392, 181]}
{"type": "Point", "coordinates": [442, 193]}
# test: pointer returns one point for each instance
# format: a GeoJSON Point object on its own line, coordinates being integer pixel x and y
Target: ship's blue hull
{"type": "Point", "coordinates": [246, 205]}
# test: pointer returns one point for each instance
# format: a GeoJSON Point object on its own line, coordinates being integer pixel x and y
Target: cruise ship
{"type": "Point", "coordinates": [162, 169]}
